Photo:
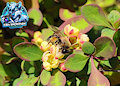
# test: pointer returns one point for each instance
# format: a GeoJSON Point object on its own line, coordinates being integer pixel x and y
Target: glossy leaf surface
{"type": "Point", "coordinates": [94, 15]}
{"type": "Point", "coordinates": [105, 47]}
{"type": "Point", "coordinates": [28, 51]}
{"type": "Point", "coordinates": [78, 22]}
{"type": "Point", "coordinates": [96, 78]}
{"type": "Point", "coordinates": [45, 77]}
{"type": "Point", "coordinates": [57, 79]}
{"type": "Point", "coordinates": [76, 62]}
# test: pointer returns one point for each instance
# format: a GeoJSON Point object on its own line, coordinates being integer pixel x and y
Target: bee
{"type": "Point", "coordinates": [59, 39]}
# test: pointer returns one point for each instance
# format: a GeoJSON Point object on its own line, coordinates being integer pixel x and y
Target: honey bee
{"type": "Point", "coordinates": [59, 39]}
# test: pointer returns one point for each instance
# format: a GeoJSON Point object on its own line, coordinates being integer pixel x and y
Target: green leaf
{"type": "Point", "coordinates": [88, 48]}
{"type": "Point", "coordinates": [10, 70]}
{"type": "Point", "coordinates": [105, 47]}
{"type": "Point", "coordinates": [29, 67]}
{"type": "Point", "coordinates": [94, 15]}
{"type": "Point", "coordinates": [78, 22]}
{"type": "Point", "coordinates": [113, 17]}
{"type": "Point", "coordinates": [57, 79]}
{"type": "Point", "coordinates": [7, 59]}
{"type": "Point", "coordinates": [89, 65]}
{"type": "Point", "coordinates": [116, 39]}
{"type": "Point", "coordinates": [78, 82]}
{"type": "Point", "coordinates": [107, 32]}
{"type": "Point", "coordinates": [23, 34]}
{"type": "Point", "coordinates": [17, 40]}
{"type": "Point", "coordinates": [2, 81]}
{"type": "Point", "coordinates": [28, 51]}
{"type": "Point", "coordinates": [25, 81]}
{"type": "Point", "coordinates": [45, 77]}
{"type": "Point", "coordinates": [105, 62]}
{"type": "Point", "coordinates": [36, 15]}
{"type": "Point", "coordinates": [65, 14]}
{"type": "Point", "coordinates": [76, 62]}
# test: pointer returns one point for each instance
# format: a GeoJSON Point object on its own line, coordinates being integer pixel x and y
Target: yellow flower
{"type": "Point", "coordinates": [82, 38]}
{"type": "Point", "coordinates": [45, 46]}
{"type": "Point", "coordinates": [37, 38]}
{"type": "Point", "coordinates": [55, 50]}
{"type": "Point", "coordinates": [49, 61]}
{"type": "Point", "coordinates": [47, 66]}
{"type": "Point", "coordinates": [71, 31]}
{"type": "Point", "coordinates": [37, 34]}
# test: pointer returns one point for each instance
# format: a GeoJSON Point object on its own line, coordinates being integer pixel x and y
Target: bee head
{"type": "Point", "coordinates": [66, 50]}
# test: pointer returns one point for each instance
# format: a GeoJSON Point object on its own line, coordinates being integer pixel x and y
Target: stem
{"type": "Point", "coordinates": [22, 65]}
{"type": "Point", "coordinates": [38, 83]}
{"type": "Point", "coordinates": [47, 23]}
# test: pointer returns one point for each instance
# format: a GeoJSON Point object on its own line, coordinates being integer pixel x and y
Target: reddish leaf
{"type": "Point", "coordinates": [66, 14]}
{"type": "Point", "coordinates": [105, 47]}
{"type": "Point", "coordinates": [57, 79]}
{"type": "Point", "coordinates": [36, 15]}
{"type": "Point", "coordinates": [96, 78]}
{"type": "Point", "coordinates": [79, 23]}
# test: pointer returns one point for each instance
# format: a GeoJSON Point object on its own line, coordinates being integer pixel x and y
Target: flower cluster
{"type": "Point", "coordinates": [77, 39]}
{"type": "Point", "coordinates": [53, 57]}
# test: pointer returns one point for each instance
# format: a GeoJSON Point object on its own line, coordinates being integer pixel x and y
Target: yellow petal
{"type": "Point", "coordinates": [47, 66]}
{"type": "Point", "coordinates": [37, 34]}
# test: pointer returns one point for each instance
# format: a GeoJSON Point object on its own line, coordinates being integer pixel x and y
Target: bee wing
{"type": "Point", "coordinates": [57, 31]}
{"type": "Point", "coordinates": [61, 35]}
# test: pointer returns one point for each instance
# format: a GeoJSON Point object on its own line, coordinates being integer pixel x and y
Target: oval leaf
{"type": "Point", "coordinates": [36, 15]}
{"type": "Point", "coordinates": [25, 81]}
{"type": "Point", "coordinates": [79, 23]}
{"type": "Point", "coordinates": [113, 17]}
{"type": "Point", "coordinates": [45, 77]}
{"type": "Point", "coordinates": [96, 78]}
{"type": "Point", "coordinates": [17, 40]}
{"type": "Point", "coordinates": [88, 48]}
{"type": "Point", "coordinates": [105, 47]}
{"type": "Point", "coordinates": [76, 62]}
{"type": "Point", "coordinates": [108, 32]}
{"type": "Point", "coordinates": [57, 79]}
{"type": "Point", "coordinates": [94, 15]}
{"type": "Point", "coordinates": [28, 51]}
{"type": "Point", "coordinates": [66, 14]}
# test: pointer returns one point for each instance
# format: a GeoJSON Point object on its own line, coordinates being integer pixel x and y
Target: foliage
{"type": "Point", "coordinates": [90, 29]}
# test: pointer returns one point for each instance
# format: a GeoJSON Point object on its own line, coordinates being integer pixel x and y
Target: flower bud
{"type": "Point", "coordinates": [45, 46]}
{"type": "Point", "coordinates": [37, 34]}
{"type": "Point", "coordinates": [82, 38]}
{"type": "Point", "coordinates": [71, 31]}
{"type": "Point", "coordinates": [62, 67]}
